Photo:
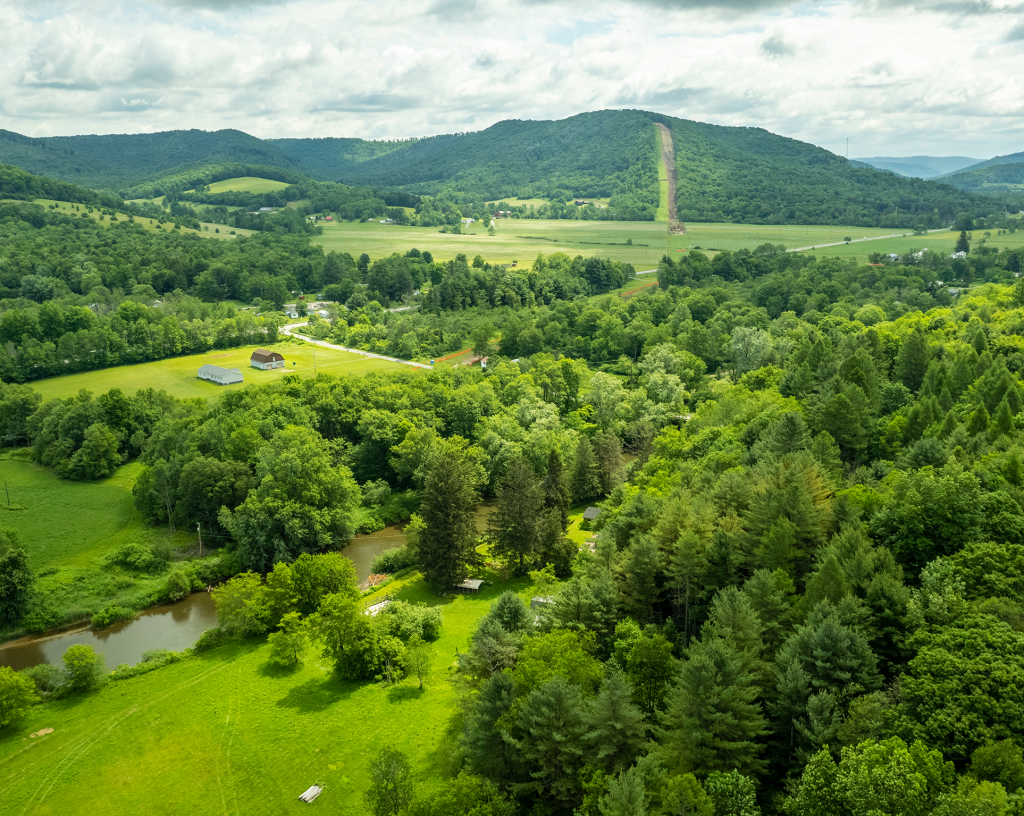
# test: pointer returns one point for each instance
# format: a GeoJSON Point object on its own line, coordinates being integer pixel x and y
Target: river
{"type": "Point", "coordinates": [172, 626]}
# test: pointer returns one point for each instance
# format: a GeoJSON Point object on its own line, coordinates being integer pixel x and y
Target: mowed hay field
{"type": "Point", "coordinates": [247, 184]}
{"type": "Point", "coordinates": [942, 242]}
{"type": "Point", "coordinates": [177, 375]}
{"type": "Point", "coordinates": [68, 524]}
{"type": "Point", "coordinates": [229, 732]}
{"type": "Point", "coordinates": [522, 240]}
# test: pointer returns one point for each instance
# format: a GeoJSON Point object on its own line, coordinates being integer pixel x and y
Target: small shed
{"type": "Point", "coordinates": [591, 513]}
{"type": "Point", "coordinates": [261, 358]}
{"type": "Point", "coordinates": [221, 376]}
{"type": "Point", "coordinates": [470, 585]}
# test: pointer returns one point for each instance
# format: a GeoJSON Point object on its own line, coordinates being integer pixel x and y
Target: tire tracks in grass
{"type": "Point", "coordinates": [80, 748]}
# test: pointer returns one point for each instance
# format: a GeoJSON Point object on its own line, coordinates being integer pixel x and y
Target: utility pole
{"type": "Point", "coordinates": [847, 149]}
{"type": "Point", "coordinates": [8, 493]}
{"type": "Point", "coordinates": [314, 362]}
{"type": "Point", "coordinates": [199, 527]}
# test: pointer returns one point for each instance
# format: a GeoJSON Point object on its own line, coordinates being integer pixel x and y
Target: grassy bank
{"type": "Point", "coordinates": [228, 732]}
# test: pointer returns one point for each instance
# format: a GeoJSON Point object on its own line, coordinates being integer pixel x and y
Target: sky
{"type": "Point", "coordinates": [896, 78]}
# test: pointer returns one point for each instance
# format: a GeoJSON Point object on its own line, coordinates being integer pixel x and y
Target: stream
{"type": "Point", "coordinates": [172, 626]}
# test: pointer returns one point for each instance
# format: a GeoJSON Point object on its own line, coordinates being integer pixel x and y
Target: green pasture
{"type": "Point", "coordinates": [520, 202]}
{"type": "Point", "coordinates": [148, 224]}
{"type": "Point", "coordinates": [942, 242]}
{"type": "Point", "coordinates": [522, 240]}
{"type": "Point", "coordinates": [247, 184]}
{"type": "Point", "coordinates": [177, 375]}
{"type": "Point", "coordinates": [230, 732]}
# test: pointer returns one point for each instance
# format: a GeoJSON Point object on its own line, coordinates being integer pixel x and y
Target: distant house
{"type": "Point", "coordinates": [958, 255]}
{"type": "Point", "coordinates": [292, 313]}
{"type": "Point", "coordinates": [266, 209]}
{"type": "Point", "coordinates": [323, 313]}
{"type": "Point", "coordinates": [580, 202]}
{"type": "Point", "coordinates": [591, 513]}
{"type": "Point", "coordinates": [261, 358]}
{"type": "Point", "coordinates": [221, 376]}
{"type": "Point", "coordinates": [329, 218]}
{"type": "Point", "coordinates": [468, 221]}
{"type": "Point", "coordinates": [387, 221]}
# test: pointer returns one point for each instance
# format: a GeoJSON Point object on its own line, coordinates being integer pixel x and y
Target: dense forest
{"type": "Point", "coordinates": [804, 592]}
{"type": "Point", "coordinates": [745, 175]}
{"type": "Point", "coordinates": [993, 178]}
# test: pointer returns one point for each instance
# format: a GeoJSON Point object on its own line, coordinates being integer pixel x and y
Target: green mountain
{"type": "Point", "coordinates": [723, 173]}
{"type": "Point", "coordinates": [926, 167]}
{"type": "Point", "coordinates": [991, 178]}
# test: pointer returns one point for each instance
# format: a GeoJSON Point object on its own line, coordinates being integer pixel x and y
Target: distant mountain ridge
{"type": "Point", "coordinates": [925, 167]}
{"type": "Point", "coordinates": [741, 174]}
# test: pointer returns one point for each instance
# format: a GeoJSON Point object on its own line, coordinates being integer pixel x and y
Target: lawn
{"type": "Point", "coordinates": [229, 732]}
{"type": "Point", "coordinates": [522, 240]}
{"type": "Point", "coordinates": [148, 224]}
{"type": "Point", "coordinates": [247, 184]}
{"type": "Point", "coordinates": [177, 375]}
{"type": "Point", "coordinates": [941, 242]}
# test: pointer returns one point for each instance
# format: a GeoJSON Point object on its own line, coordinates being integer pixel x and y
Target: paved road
{"type": "Point", "coordinates": [647, 272]}
{"type": "Point", "coordinates": [288, 330]}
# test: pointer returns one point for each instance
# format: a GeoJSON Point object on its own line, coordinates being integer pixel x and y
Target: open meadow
{"type": "Point", "coordinates": [148, 224]}
{"type": "Point", "coordinates": [231, 732]}
{"type": "Point", "coordinates": [177, 375]}
{"type": "Point", "coordinates": [522, 240]}
{"type": "Point", "coordinates": [942, 242]}
{"type": "Point", "coordinates": [247, 184]}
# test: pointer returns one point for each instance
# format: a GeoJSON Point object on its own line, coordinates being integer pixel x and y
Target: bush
{"type": "Point", "coordinates": [17, 693]}
{"type": "Point", "coordinates": [178, 585]}
{"type": "Point", "coordinates": [404, 620]}
{"type": "Point", "coordinates": [110, 615]}
{"type": "Point", "coordinates": [48, 679]}
{"type": "Point", "coordinates": [151, 660]}
{"type": "Point", "coordinates": [393, 560]}
{"type": "Point", "coordinates": [211, 639]}
{"type": "Point", "coordinates": [142, 557]}
{"type": "Point", "coordinates": [83, 668]}
{"type": "Point", "coordinates": [43, 614]}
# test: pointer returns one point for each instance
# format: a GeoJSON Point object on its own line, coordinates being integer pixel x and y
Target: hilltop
{"type": "Point", "coordinates": [735, 174]}
{"type": "Point", "coordinates": [926, 167]}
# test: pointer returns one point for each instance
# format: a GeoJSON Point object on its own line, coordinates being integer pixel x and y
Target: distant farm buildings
{"type": "Point", "coordinates": [221, 376]}
{"type": "Point", "coordinates": [266, 360]}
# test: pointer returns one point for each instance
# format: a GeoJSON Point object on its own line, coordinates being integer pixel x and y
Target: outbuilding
{"type": "Point", "coordinates": [221, 376]}
{"type": "Point", "coordinates": [261, 358]}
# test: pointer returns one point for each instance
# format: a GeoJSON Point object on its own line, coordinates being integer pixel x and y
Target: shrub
{"type": "Point", "coordinates": [110, 615]}
{"type": "Point", "coordinates": [142, 557]}
{"type": "Point", "coordinates": [83, 668]}
{"type": "Point", "coordinates": [17, 693]}
{"type": "Point", "coordinates": [211, 639]}
{"type": "Point", "coordinates": [178, 585]}
{"type": "Point", "coordinates": [43, 614]}
{"type": "Point", "coordinates": [48, 679]}
{"type": "Point", "coordinates": [404, 620]}
{"type": "Point", "coordinates": [393, 560]}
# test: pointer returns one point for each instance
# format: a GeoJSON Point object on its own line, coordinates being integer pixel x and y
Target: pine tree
{"type": "Point", "coordinates": [608, 453]}
{"type": "Point", "coordinates": [777, 547]}
{"type": "Point", "coordinates": [557, 496]}
{"type": "Point", "coordinates": [826, 583]}
{"type": "Point", "coordinates": [448, 510]}
{"type": "Point", "coordinates": [978, 423]}
{"type": "Point", "coordinates": [980, 341]}
{"type": "Point", "coordinates": [488, 752]}
{"type": "Point", "coordinates": [1002, 423]}
{"type": "Point", "coordinates": [912, 361]}
{"type": "Point", "coordinates": [614, 725]}
{"type": "Point", "coordinates": [713, 721]}
{"type": "Point", "coordinates": [687, 565]}
{"type": "Point", "coordinates": [964, 373]}
{"type": "Point", "coordinates": [586, 473]}
{"type": "Point", "coordinates": [771, 597]}
{"type": "Point", "coordinates": [945, 399]}
{"type": "Point", "coordinates": [514, 526]}
{"type": "Point", "coordinates": [962, 244]}
{"type": "Point", "coordinates": [788, 434]}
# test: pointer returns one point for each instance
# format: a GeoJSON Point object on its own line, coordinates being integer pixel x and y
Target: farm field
{"type": "Point", "coordinates": [247, 184]}
{"type": "Point", "coordinates": [148, 224]}
{"type": "Point", "coordinates": [177, 375]}
{"type": "Point", "coordinates": [522, 240]}
{"type": "Point", "coordinates": [230, 732]}
{"type": "Point", "coordinates": [941, 242]}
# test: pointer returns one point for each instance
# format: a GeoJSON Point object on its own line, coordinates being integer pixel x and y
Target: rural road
{"type": "Point", "coordinates": [288, 330]}
{"type": "Point", "coordinates": [859, 240]}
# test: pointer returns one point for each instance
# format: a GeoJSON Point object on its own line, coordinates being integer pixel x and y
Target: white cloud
{"type": "Point", "coordinates": [821, 71]}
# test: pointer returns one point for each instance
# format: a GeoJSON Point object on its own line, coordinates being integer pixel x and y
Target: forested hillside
{"type": "Point", "coordinates": [736, 174]}
{"type": "Point", "coordinates": [992, 178]}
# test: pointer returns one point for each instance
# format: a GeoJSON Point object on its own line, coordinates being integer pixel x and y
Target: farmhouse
{"type": "Point", "coordinates": [261, 358]}
{"type": "Point", "coordinates": [221, 376]}
{"type": "Point", "coordinates": [266, 209]}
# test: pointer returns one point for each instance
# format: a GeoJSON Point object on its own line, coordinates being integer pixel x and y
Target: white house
{"type": "Point", "coordinates": [221, 376]}
{"type": "Point", "coordinates": [261, 358]}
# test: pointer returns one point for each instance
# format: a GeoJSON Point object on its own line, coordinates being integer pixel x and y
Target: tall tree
{"type": "Point", "coordinates": [514, 525]}
{"type": "Point", "coordinates": [912, 361]}
{"type": "Point", "coordinates": [16, 577]}
{"type": "Point", "coordinates": [586, 472]}
{"type": "Point", "coordinates": [450, 497]}
{"type": "Point", "coordinates": [614, 725]}
{"type": "Point", "coordinates": [391, 787]}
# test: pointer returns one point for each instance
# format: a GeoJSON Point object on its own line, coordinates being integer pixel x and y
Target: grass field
{"type": "Point", "coordinates": [941, 242]}
{"type": "Point", "coordinates": [177, 375]}
{"type": "Point", "coordinates": [247, 184]}
{"type": "Point", "coordinates": [148, 224]}
{"type": "Point", "coordinates": [521, 240]}
{"type": "Point", "coordinates": [229, 732]}
{"type": "Point", "coordinates": [662, 214]}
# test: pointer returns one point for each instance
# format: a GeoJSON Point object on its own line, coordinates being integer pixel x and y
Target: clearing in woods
{"type": "Point", "coordinates": [668, 159]}
{"type": "Point", "coordinates": [247, 184]}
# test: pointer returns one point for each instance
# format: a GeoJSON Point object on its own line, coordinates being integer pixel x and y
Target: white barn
{"type": "Point", "coordinates": [261, 358]}
{"type": "Point", "coordinates": [221, 376]}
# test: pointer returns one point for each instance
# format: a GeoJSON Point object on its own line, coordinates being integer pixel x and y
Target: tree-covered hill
{"type": "Point", "coordinates": [16, 184]}
{"type": "Point", "coordinates": [992, 178]}
{"type": "Point", "coordinates": [745, 175]}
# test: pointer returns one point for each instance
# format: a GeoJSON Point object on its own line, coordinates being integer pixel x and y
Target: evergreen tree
{"type": "Point", "coordinates": [912, 361]}
{"type": "Point", "coordinates": [770, 595]}
{"type": "Point", "coordinates": [1002, 423]}
{"type": "Point", "coordinates": [586, 472]}
{"type": "Point", "coordinates": [448, 510]}
{"type": "Point", "coordinates": [980, 341]}
{"type": "Point", "coordinates": [964, 372]}
{"type": "Point", "coordinates": [608, 454]}
{"type": "Point", "coordinates": [615, 732]}
{"type": "Point", "coordinates": [713, 721]}
{"type": "Point", "coordinates": [643, 565]}
{"type": "Point", "coordinates": [978, 423]}
{"type": "Point", "coordinates": [686, 567]}
{"type": "Point", "coordinates": [788, 434]}
{"type": "Point", "coordinates": [557, 495]}
{"type": "Point", "coordinates": [962, 244]}
{"type": "Point", "coordinates": [627, 795]}
{"type": "Point", "coordinates": [514, 525]}
{"type": "Point", "coordinates": [551, 742]}
{"type": "Point", "coordinates": [487, 749]}
{"type": "Point", "coordinates": [777, 547]}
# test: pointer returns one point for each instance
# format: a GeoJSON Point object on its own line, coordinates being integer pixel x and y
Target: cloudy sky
{"type": "Point", "coordinates": [896, 77]}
